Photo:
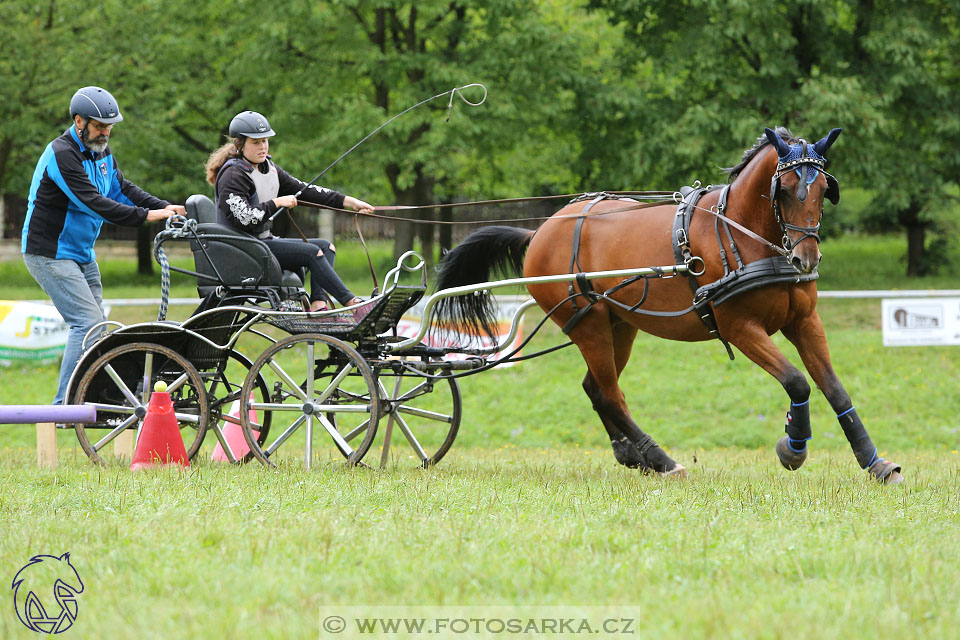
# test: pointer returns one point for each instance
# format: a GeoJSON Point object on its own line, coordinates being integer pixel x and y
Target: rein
{"type": "Point", "coordinates": [718, 213]}
{"type": "Point", "coordinates": [662, 197]}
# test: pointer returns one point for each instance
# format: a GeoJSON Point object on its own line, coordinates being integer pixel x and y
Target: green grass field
{"type": "Point", "coordinates": [530, 508]}
{"type": "Point", "coordinates": [741, 549]}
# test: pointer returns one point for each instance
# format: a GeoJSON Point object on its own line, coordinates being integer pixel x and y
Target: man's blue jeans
{"type": "Point", "coordinates": [76, 292]}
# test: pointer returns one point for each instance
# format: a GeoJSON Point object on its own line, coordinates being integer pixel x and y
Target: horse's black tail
{"type": "Point", "coordinates": [496, 251]}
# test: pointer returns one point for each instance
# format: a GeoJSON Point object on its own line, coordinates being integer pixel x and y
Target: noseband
{"type": "Point", "coordinates": [803, 160]}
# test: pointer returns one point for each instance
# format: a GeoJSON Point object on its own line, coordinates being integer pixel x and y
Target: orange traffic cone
{"type": "Point", "coordinates": [159, 441]}
{"type": "Point", "coordinates": [233, 433]}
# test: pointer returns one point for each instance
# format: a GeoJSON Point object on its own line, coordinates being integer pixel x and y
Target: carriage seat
{"type": "Point", "coordinates": [239, 260]}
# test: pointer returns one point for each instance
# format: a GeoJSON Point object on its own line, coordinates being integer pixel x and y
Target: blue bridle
{"type": "Point", "coordinates": [802, 157]}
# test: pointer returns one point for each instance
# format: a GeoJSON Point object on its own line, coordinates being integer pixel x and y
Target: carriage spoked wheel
{"type": "Point", "coordinates": [322, 393]}
{"type": "Point", "coordinates": [223, 389]}
{"type": "Point", "coordinates": [119, 384]}
{"type": "Point", "coordinates": [423, 412]}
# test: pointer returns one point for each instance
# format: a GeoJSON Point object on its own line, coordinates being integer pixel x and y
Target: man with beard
{"type": "Point", "coordinates": [76, 186]}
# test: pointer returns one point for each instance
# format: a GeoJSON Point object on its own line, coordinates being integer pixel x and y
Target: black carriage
{"type": "Point", "coordinates": [329, 380]}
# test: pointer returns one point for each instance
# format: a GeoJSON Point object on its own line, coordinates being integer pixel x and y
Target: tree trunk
{"type": "Point", "coordinates": [145, 249]}
{"type": "Point", "coordinates": [909, 218]}
{"type": "Point", "coordinates": [426, 235]}
{"type": "Point", "coordinates": [916, 250]}
{"type": "Point", "coordinates": [419, 193]}
{"type": "Point", "coordinates": [404, 232]}
{"type": "Point", "coordinates": [446, 230]}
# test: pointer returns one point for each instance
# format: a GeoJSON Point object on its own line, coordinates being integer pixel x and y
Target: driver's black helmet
{"type": "Point", "coordinates": [94, 103]}
{"type": "Point", "coordinates": [250, 124]}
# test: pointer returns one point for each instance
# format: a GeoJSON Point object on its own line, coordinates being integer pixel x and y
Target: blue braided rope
{"type": "Point", "coordinates": [164, 283]}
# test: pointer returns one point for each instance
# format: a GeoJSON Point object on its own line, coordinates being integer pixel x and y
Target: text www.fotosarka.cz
{"type": "Point", "coordinates": [553, 621]}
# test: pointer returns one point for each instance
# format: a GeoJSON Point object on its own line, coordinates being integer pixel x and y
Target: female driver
{"type": "Point", "coordinates": [250, 188]}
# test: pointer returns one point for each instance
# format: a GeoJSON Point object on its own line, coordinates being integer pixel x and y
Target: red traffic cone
{"type": "Point", "coordinates": [234, 434]}
{"type": "Point", "coordinates": [159, 441]}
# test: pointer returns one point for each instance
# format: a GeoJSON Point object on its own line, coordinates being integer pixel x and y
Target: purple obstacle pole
{"type": "Point", "coordinates": [37, 413]}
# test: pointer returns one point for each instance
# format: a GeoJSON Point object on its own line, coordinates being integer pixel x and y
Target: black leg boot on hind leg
{"type": "Point", "coordinates": [647, 456]}
{"type": "Point", "coordinates": [867, 454]}
{"type": "Point", "coordinates": [627, 454]}
{"type": "Point", "coordinates": [792, 448]}
{"type": "Point", "coordinates": [657, 459]}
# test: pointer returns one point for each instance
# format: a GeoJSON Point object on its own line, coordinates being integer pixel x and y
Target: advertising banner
{"type": "Point", "coordinates": [30, 333]}
{"type": "Point", "coordinates": [913, 322]}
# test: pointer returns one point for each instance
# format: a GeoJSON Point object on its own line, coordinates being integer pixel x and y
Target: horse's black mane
{"type": "Point", "coordinates": [751, 153]}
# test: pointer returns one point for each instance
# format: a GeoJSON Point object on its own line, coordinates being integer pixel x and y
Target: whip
{"type": "Point", "coordinates": [452, 92]}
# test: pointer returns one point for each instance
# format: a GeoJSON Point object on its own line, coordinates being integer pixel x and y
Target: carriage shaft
{"type": "Point", "coordinates": [660, 272]}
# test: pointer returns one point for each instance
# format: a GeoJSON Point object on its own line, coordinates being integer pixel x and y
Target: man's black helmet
{"type": "Point", "coordinates": [94, 103]}
{"type": "Point", "coordinates": [250, 124]}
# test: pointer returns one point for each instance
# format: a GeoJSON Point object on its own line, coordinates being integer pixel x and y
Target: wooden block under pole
{"type": "Point", "coordinates": [47, 444]}
{"type": "Point", "coordinates": [123, 444]}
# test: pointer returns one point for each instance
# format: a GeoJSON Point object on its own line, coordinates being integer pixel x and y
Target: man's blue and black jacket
{"type": "Point", "coordinates": [73, 191]}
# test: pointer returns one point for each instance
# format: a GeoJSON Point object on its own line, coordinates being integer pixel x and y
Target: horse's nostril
{"type": "Point", "coordinates": [797, 263]}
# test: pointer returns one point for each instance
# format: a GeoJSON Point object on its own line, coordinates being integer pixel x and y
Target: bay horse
{"type": "Point", "coordinates": [752, 248]}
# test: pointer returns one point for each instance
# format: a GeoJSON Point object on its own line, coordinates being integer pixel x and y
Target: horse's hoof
{"type": "Point", "coordinates": [885, 472]}
{"type": "Point", "coordinates": [679, 471]}
{"type": "Point", "coordinates": [789, 458]}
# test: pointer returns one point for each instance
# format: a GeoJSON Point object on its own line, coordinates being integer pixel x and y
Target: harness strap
{"type": "Point", "coordinates": [585, 288]}
{"type": "Point", "coordinates": [583, 284]}
{"type": "Point", "coordinates": [575, 319]}
{"type": "Point", "coordinates": [683, 255]}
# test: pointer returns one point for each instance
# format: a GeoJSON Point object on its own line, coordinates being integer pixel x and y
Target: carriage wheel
{"type": "Point", "coordinates": [119, 383]}
{"type": "Point", "coordinates": [223, 388]}
{"type": "Point", "coordinates": [429, 422]}
{"type": "Point", "coordinates": [426, 411]}
{"type": "Point", "coordinates": [321, 391]}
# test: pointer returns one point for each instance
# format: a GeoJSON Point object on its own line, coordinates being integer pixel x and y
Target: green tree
{"type": "Point", "coordinates": [36, 80]}
{"type": "Point", "coordinates": [884, 71]}
{"type": "Point", "coordinates": [327, 74]}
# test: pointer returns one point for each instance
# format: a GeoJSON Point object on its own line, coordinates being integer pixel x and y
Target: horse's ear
{"type": "Point", "coordinates": [777, 142]}
{"type": "Point", "coordinates": [65, 556]}
{"type": "Point", "coordinates": [827, 140]}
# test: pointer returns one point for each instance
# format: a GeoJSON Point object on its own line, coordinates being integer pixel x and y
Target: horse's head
{"type": "Point", "coordinates": [798, 189]}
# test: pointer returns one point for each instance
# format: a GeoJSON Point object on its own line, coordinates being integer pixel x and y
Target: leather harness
{"type": "Point", "coordinates": [735, 280]}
